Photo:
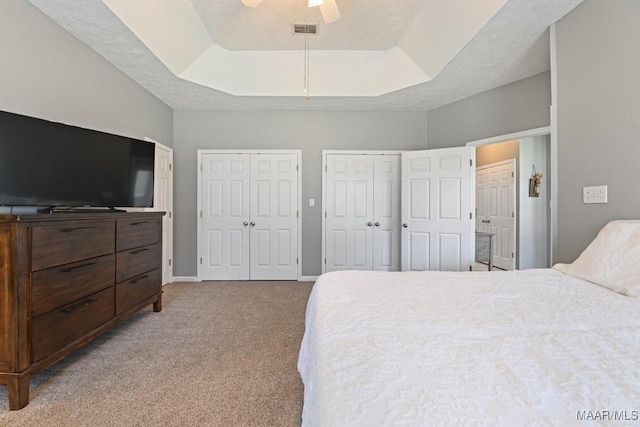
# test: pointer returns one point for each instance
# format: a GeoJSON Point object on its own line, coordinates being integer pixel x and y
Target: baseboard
{"type": "Point", "coordinates": [307, 278]}
{"type": "Point", "coordinates": [185, 279]}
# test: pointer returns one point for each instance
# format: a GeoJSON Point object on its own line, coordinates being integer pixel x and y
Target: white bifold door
{"type": "Point", "coordinates": [437, 209]}
{"type": "Point", "coordinates": [248, 216]}
{"type": "Point", "coordinates": [362, 212]}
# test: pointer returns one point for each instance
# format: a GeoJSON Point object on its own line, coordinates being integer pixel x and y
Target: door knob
{"type": "Point", "coordinates": [369, 223]}
{"type": "Point", "coordinates": [245, 223]}
{"type": "Point", "coordinates": [253, 223]}
{"type": "Point", "coordinates": [405, 225]}
{"type": "Point", "coordinates": [377, 224]}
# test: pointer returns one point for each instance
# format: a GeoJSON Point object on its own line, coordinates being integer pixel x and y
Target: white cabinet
{"type": "Point", "coordinates": [361, 211]}
{"type": "Point", "coordinates": [248, 216]}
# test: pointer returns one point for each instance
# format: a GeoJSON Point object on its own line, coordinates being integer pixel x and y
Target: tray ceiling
{"type": "Point", "coordinates": [508, 44]}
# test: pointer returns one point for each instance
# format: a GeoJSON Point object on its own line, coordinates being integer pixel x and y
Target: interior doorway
{"type": "Point", "coordinates": [531, 152]}
{"type": "Point", "coordinates": [496, 210]}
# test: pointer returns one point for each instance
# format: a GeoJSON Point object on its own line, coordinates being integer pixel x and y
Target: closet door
{"type": "Point", "coordinates": [274, 212]}
{"type": "Point", "coordinates": [437, 209]}
{"type": "Point", "coordinates": [225, 217]}
{"type": "Point", "coordinates": [349, 212]}
{"type": "Point", "coordinates": [386, 212]}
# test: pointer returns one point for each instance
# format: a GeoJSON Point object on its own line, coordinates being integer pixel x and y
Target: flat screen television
{"type": "Point", "coordinates": [53, 165]}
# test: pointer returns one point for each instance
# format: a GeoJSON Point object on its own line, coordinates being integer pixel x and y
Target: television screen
{"type": "Point", "coordinates": [50, 164]}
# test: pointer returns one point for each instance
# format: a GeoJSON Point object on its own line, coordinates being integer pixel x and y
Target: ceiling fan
{"type": "Point", "coordinates": [328, 8]}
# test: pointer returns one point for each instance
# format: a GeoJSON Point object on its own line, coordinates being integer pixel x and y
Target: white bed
{"type": "Point", "coordinates": [533, 347]}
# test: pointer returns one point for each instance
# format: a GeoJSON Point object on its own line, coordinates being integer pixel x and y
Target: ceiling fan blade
{"type": "Point", "coordinates": [251, 3]}
{"type": "Point", "coordinates": [330, 11]}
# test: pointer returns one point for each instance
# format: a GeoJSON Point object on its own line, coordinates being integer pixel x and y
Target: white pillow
{"type": "Point", "coordinates": [612, 259]}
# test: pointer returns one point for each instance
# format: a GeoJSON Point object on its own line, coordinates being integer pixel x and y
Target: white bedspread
{"type": "Point", "coordinates": [534, 347]}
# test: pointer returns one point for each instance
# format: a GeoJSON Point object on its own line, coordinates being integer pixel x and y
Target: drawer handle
{"type": "Point", "coordinates": [138, 223]}
{"type": "Point", "coordinates": [79, 306]}
{"type": "Point", "coordinates": [138, 251]}
{"type": "Point", "coordinates": [77, 268]}
{"type": "Point", "coordinates": [138, 279]}
{"type": "Point", "coordinates": [71, 230]}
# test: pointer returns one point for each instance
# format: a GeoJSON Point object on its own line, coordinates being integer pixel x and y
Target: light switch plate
{"type": "Point", "coordinates": [312, 202]}
{"type": "Point", "coordinates": [596, 194]}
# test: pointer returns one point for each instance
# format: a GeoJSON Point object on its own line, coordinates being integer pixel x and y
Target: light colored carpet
{"type": "Point", "coordinates": [219, 354]}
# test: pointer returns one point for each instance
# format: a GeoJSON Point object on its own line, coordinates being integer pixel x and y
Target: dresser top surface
{"type": "Point", "coordinates": [74, 216]}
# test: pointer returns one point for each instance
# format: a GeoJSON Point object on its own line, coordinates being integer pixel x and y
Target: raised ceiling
{"type": "Point", "coordinates": [407, 55]}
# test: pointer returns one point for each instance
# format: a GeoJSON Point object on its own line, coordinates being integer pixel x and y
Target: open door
{"type": "Point", "coordinates": [438, 198]}
{"type": "Point", "coordinates": [163, 201]}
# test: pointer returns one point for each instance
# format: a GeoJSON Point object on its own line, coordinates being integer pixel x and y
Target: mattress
{"type": "Point", "coordinates": [532, 347]}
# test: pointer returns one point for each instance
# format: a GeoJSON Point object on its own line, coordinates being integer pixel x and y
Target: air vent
{"type": "Point", "coordinates": [302, 28]}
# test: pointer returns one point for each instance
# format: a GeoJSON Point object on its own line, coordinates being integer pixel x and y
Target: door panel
{"type": "Point", "coordinates": [225, 208]}
{"type": "Point", "coordinates": [349, 211]}
{"type": "Point", "coordinates": [274, 213]}
{"type": "Point", "coordinates": [386, 212]}
{"type": "Point", "coordinates": [163, 201]}
{"type": "Point", "coordinates": [419, 256]}
{"type": "Point", "coordinates": [437, 231]}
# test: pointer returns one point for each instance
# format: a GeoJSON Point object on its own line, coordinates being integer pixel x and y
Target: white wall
{"type": "Point", "coordinates": [47, 73]}
{"type": "Point", "coordinates": [308, 131]}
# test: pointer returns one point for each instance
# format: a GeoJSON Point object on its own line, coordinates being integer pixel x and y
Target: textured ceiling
{"type": "Point", "coordinates": [513, 45]}
{"type": "Point", "coordinates": [364, 25]}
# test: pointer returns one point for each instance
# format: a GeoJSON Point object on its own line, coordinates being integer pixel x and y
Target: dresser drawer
{"type": "Point", "coordinates": [134, 262]}
{"type": "Point", "coordinates": [68, 242]}
{"type": "Point", "coordinates": [52, 331]}
{"type": "Point", "coordinates": [138, 289]}
{"type": "Point", "coordinates": [133, 233]}
{"type": "Point", "coordinates": [56, 286]}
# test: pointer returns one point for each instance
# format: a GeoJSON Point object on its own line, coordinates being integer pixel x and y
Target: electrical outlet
{"type": "Point", "coordinates": [596, 194]}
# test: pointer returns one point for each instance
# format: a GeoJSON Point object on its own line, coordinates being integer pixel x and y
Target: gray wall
{"type": "Point", "coordinates": [518, 106]}
{"type": "Point", "coordinates": [48, 73]}
{"type": "Point", "coordinates": [598, 118]}
{"type": "Point", "coordinates": [311, 132]}
{"type": "Point", "coordinates": [533, 235]}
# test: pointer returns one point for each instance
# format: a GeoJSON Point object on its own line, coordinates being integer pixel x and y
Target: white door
{"type": "Point", "coordinates": [496, 194]}
{"type": "Point", "coordinates": [386, 212]}
{"type": "Point", "coordinates": [437, 209]}
{"type": "Point", "coordinates": [163, 201]}
{"type": "Point", "coordinates": [362, 211]}
{"type": "Point", "coordinates": [225, 217]}
{"type": "Point", "coordinates": [274, 212]}
{"type": "Point", "coordinates": [349, 212]}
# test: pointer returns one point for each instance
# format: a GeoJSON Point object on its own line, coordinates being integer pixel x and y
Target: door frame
{"type": "Point", "coordinates": [202, 152]}
{"type": "Point", "coordinates": [323, 213]}
{"type": "Point", "coordinates": [514, 195]}
{"type": "Point", "coordinates": [553, 173]}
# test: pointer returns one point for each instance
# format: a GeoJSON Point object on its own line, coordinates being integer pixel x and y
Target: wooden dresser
{"type": "Point", "coordinates": [65, 279]}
